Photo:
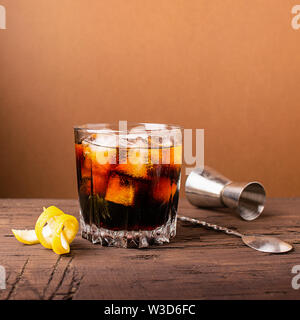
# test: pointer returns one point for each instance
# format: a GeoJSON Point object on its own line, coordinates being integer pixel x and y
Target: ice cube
{"type": "Point", "coordinates": [176, 155]}
{"type": "Point", "coordinates": [105, 155]}
{"type": "Point", "coordinates": [122, 141]}
{"type": "Point", "coordinates": [137, 163]}
{"type": "Point", "coordinates": [164, 155]}
{"type": "Point", "coordinates": [105, 138]}
{"type": "Point", "coordinates": [120, 190]}
{"type": "Point", "coordinates": [161, 140]}
{"type": "Point", "coordinates": [100, 154]}
{"type": "Point", "coordinates": [133, 170]}
{"type": "Point", "coordinates": [138, 156]}
{"type": "Point", "coordinates": [161, 155]}
{"type": "Point", "coordinates": [138, 137]}
{"type": "Point", "coordinates": [134, 161]}
{"type": "Point", "coordinates": [137, 141]}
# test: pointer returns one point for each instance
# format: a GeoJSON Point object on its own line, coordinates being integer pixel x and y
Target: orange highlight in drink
{"type": "Point", "coordinates": [120, 191]}
{"type": "Point", "coordinates": [164, 190]}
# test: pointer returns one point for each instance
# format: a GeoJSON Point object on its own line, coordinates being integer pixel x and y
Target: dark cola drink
{"type": "Point", "coordinates": [128, 186]}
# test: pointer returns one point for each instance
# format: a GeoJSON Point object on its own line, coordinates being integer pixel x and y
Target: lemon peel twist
{"type": "Point", "coordinates": [48, 217]}
{"type": "Point", "coordinates": [65, 230]}
{"type": "Point", "coordinates": [54, 230]}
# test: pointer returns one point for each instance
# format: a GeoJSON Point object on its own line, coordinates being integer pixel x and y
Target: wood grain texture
{"type": "Point", "coordinates": [197, 264]}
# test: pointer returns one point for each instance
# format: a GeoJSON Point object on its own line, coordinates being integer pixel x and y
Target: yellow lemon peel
{"type": "Point", "coordinates": [54, 230]}
{"type": "Point", "coordinates": [66, 228]}
{"type": "Point", "coordinates": [47, 217]}
{"type": "Point", "coordinates": [26, 236]}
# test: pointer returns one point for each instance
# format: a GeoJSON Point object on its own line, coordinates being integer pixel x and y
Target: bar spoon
{"type": "Point", "coordinates": [258, 242]}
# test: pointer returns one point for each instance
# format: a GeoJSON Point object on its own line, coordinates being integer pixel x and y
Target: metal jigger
{"type": "Point", "coordinates": [208, 188]}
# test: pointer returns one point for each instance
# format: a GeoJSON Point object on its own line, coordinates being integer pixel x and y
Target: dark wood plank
{"type": "Point", "coordinates": [197, 264]}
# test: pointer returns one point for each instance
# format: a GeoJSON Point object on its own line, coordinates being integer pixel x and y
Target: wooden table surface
{"type": "Point", "coordinates": [197, 264]}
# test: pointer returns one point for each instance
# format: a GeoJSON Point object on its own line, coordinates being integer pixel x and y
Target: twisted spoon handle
{"type": "Point", "coordinates": [209, 225]}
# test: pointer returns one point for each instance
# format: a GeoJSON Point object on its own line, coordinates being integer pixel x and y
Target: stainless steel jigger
{"type": "Point", "coordinates": [208, 188]}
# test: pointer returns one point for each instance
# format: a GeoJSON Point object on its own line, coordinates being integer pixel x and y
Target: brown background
{"type": "Point", "coordinates": [229, 66]}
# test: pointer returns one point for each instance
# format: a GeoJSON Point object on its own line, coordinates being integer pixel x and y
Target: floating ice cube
{"type": "Point", "coordinates": [161, 140]}
{"type": "Point", "coordinates": [122, 141]}
{"type": "Point", "coordinates": [134, 170]}
{"type": "Point", "coordinates": [106, 138]}
{"type": "Point", "coordinates": [138, 156]}
{"type": "Point", "coordinates": [120, 190]}
{"type": "Point", "coordinates": [101, 147]}
{"type": "Point", "coordinates": [138, 137]}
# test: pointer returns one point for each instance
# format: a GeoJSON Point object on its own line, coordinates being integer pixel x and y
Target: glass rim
{"type": "Point", "coordinates": [110, 127]}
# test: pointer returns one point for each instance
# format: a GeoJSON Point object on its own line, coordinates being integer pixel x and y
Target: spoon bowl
{"type": "Point", "coordinates": [266, 244]}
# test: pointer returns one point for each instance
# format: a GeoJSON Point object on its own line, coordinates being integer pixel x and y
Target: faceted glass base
{"type": "Point", "coordinates": [129, 239]}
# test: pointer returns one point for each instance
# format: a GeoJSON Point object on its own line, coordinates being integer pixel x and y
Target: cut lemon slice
{"type": "Point", "coordinates": [45, 225]}
{"type": "Point", "coordinates": [66, 228]}
{"type": "Point", "coordinates": [26, 236]}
